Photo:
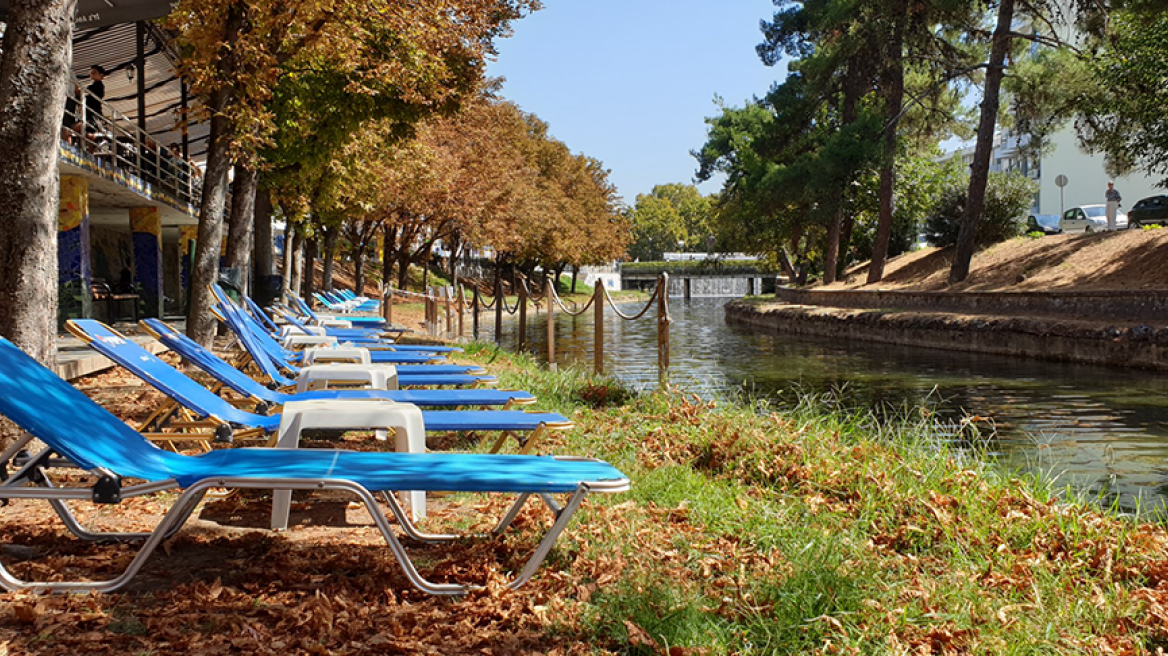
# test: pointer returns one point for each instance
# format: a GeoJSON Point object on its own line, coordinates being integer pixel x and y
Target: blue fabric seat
{"type": "Point", "coordinates": [240, 322]}
{"type": "Point", "coordinates": [206, 404]}
{"type": "Point", "coordinates": [80, 433]}
{"type": "Point", "coordinates": [243, 384]}
{"type": "Point", "coordinates": [273, 360]}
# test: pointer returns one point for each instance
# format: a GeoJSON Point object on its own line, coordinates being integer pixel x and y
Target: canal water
{"type": "Point", "coordinates": [1101, 430]}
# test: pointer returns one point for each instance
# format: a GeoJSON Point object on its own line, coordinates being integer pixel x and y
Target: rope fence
{"type": "Point", "coordinates": [452, 302]}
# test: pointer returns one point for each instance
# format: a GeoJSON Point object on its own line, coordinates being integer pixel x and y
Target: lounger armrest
{"type": "Point", "coordinates": [375, 376]}
{"type": "Point", "coordinates": [301, 341]}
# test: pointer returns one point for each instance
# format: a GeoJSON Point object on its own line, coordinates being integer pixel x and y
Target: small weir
{"type": "Point", "coordinates": [1100, 430]}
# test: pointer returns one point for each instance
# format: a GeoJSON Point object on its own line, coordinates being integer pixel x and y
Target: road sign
{"type": "Point", "coordinates": [1061, 180]}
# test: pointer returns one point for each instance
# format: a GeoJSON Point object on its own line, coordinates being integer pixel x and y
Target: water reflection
{"type": "Point", "coordinates": [1097, 429]}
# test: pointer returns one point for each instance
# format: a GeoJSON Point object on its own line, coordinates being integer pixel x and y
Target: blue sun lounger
{"type": "Point", "coordinates": [240, 323]}
{"type": "Point", "coordinates": [80, 433]}
{"type": "Point", "coordinates": [355, 320]}
{"type": "Point", "coordinates": [242, 384]}
{"type": "Point", "coordinates": [219, 411]}
{"type": "Point", "coordinates": [272, 359]}
{"type": "Point", "coordinates": [356, 335]}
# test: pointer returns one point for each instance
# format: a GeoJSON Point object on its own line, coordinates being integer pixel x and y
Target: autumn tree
{"type": "Point", "coordinates": [415, 57]}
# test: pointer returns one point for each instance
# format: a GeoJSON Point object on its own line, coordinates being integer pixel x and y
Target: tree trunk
{"type": "Point", "coordinates": [893, 83]}
{"type": "Point", "coordinates": [359, 271]}
{"type": "Point", "coordinates": [835, 237]}
{"type": "Point", "coordinates": [289, 259]}
{"type": "Point", "coordinates": [263, 251]}
{"type": "Point", "coordinates": [785, 265]}
{"type": "Point", "coordinates": [33, 72]}
{"type": "Point", "coordinates": [330, 247]}
{"type": "Point", "coordinates": [849, 224]}
{"type": "Point", "coordinates": [831, 252]}
{"type": "Point", "coordinates": [575, 274]}
{"type": "Point", "coordinates": [980, 169]}
{"type": "Point", "coordinates": [310, 267]}
{"type": "Point", "coordinates": [403, 271]}
{"type": "Point", "coordinates": [241, 222]}
{"type": "Point", "coordinates": [204, 269]}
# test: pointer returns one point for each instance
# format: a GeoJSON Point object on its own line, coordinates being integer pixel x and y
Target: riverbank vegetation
{"type": "Point", "coordinates": [750, 528]}
{"type": "Point", "coordinates": [839, 162]}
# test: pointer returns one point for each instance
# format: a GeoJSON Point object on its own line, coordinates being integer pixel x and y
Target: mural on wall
{"type": "Point", "coordinates": [73, 249]}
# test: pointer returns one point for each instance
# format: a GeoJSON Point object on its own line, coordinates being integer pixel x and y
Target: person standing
{"type": "Point", "coordinates": [1113, 200]}
{"type": "Point", "coordinates": [93, 108]}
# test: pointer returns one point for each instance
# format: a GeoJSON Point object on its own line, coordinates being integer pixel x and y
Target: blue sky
{"type": "Point", "coordinates": [630, 81]}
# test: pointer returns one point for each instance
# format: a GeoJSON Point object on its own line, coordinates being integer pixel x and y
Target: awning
{"type": "Point", "coordinates": [99, 13]}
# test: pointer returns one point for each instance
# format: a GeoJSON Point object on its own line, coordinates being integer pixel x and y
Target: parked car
{"type": "Point", "coordinates": [1044, 223]}
{"type": "Point", "coordinates": [1090, 218]}
{"type": "Point", "coordinates": [1149, 211]}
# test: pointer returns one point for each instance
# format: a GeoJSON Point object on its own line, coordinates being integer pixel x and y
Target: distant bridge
{"type": "Point", "coordinates": [690, 284]}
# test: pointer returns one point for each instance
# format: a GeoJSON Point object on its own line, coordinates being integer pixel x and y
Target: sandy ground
{"type": "Point", "coordinates": [1128, 260]}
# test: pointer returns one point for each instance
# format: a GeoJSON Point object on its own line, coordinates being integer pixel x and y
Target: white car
{"type": "Point", "coordinates": [1090, 218]}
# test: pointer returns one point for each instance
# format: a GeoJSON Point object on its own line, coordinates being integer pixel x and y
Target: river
{"type": "Point", "coordinates": [1101, 430]}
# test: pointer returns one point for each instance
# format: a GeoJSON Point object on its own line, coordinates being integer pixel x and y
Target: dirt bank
{"type": "Point", "coordinates": [1128, 260]}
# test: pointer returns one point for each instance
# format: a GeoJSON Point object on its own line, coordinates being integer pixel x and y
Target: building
{"type": "Point", "coordinates": [131, 177]}
{"type": "Point", "coordinates": [1086, 178]}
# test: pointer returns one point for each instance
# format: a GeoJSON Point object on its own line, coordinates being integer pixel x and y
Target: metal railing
{"type": "Point", "coordinates": [111, 144]}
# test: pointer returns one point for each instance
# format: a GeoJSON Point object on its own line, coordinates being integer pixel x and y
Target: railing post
{"type": "Point", "coordinates": [498, 311]}
{"type": "Point", "coordinates": [461, 310]}
{"type": "Point", "coordinates": [551, 324]}
{"type": "Point", "coordinates": [447, 296]}
{"type": "Point", "coordinates": [522, 315]}
{"type": "Point", "coordinates": [663, 328]}
{"type": "Point", "coordinates": [474, 311]}
{"type": "Point", "coordinates": [598, 349]}
{"type": "Point", "coordinates": [430, 311]}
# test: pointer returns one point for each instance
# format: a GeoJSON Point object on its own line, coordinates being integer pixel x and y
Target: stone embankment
{"type": "Point", "coordinates": [1114, 328]}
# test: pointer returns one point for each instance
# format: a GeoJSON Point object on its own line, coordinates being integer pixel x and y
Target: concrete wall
{"type": "Point", "coordinates": [1113, 305]}
{"type": "Point", "coordinates": [1138, 346]}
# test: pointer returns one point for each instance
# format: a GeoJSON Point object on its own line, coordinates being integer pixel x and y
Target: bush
{"type": "Point", "coordinates": [1008, 195]}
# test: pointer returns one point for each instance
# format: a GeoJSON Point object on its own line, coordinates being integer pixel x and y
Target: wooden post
{"type": "Point", "coordinates": [447, 297]}
{"type": "Point", "coordinates": [522, 315]}
{"type": "Point", "coordinates": [663, 328]}
{"type": "Point", "coordinates": [387, 305]}
{"type": "Point", "coordinates": [474, 311]}
{"type": "Point", "coordinates": [598, 349]}
{"type": "Point", "coordinates": [551, 324]}
{"type": "Point", "coordinates": [461, 310]}
{"type": "Point", "coordinates": [431, 313]}
{"type": "Point", "coordinates": [498, 311]}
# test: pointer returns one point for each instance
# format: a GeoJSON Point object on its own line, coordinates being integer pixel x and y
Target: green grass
{"type": "Point", "coordinates": [756, 529]}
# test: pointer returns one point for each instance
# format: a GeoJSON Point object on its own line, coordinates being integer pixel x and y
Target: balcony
{"type": "Point", "coordinates": [109, 145]}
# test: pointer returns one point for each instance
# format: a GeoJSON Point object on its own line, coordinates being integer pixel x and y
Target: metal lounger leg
{"type": "Point", "coordinates": [409, 527]}
{"type": "Point", "coordinates": [545, 545]}
{"type": "Point", "coordinates": [178, 514]}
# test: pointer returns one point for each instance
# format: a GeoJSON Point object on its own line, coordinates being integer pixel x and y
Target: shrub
{"type": "Point", "coordinates": [1008, 195]}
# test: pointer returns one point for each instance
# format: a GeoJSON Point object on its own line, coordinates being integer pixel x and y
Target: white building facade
{"type": "Point", "coordinates": [1086, 178]}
